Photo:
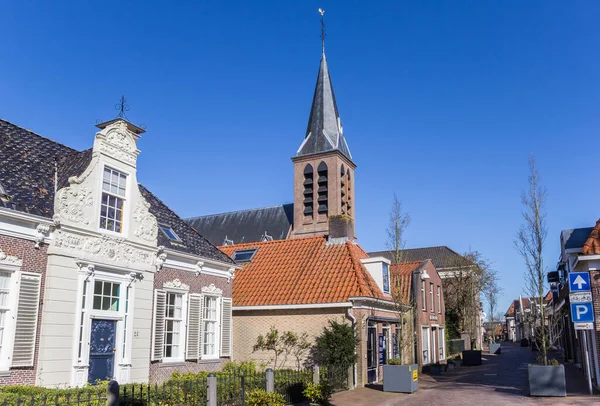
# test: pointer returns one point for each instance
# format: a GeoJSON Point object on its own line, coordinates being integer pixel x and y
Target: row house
{"type": "Point", "coordinates": [99, 279]}
{"type": "Point", "coordinates": [580, 252]}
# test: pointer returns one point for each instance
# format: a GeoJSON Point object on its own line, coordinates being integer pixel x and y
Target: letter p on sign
{"type": "Point", "coordinates": [580, 310]}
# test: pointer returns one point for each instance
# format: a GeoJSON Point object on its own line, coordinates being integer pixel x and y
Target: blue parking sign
{"type": "Point", "coordinates": [579, 281]}
{"type": "Point", "coordinates": [582, 312]}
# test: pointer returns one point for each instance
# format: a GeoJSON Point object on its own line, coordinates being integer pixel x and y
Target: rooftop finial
{"type": "Point", "coordinates": [122, 107]}
{"type": "Point", "coordinates": [322, 12]}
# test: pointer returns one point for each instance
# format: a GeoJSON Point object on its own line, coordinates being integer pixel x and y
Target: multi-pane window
{"type": "Point", "coordinates": [431, 302]}
{"type": "Point", "coordinates": [423, 297]}
{"type": "Point", "coordinates": [441, 342]}
{"type": "Point", "coordinates": [113, 198]}
{"type": "Point", "coordinates": [425, 345]}
{"type": "Point", "coordinates": [106, 296]}
{"type": "Point", "coordinates": [210, 325]}
{"type": "Point", "coordinates": [439, 299]}
{"type": "Point", "coordinates": [4, 304]}
{"type": "Point", "coordinates": [173, 321]}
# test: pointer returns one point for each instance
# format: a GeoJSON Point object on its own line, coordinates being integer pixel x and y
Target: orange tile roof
{"type": "Point", "coordinates": [301, 271]}
{"type": "Point", "coordinates": [402, 278]}
{"type": "Point", "coordinates": [592, 244]}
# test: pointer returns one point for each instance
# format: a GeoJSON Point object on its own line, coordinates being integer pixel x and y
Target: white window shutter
{"type": "Point", "coordinates": [201, 329]}
{"type": "Point", "coordinates": [160, 305]}
{"type": "Point", "coordinates": [27, 317]}
{"type": "Point", "coordinates": [226, 327]}
{"type": "Point", "coordinates": [193, 329]}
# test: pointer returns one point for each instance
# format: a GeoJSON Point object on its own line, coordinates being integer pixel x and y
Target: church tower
{"type": "Point", "coordinates": [323, 169]}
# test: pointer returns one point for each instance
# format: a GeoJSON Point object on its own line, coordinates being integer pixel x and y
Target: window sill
{"type": "Point", "coordinates": [5, 374]}
{"type": "Point", "coordinates": [165, 364]}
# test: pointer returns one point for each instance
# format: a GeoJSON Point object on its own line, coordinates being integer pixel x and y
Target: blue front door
{"type": "Point", "coordinates": [102, 350]}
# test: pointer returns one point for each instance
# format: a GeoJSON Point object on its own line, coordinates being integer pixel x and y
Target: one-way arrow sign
{"type": "Point", "coordinates": [579, 281]}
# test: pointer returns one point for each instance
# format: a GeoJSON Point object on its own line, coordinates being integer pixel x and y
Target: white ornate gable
{"type": "Point", "coordinates": [117, 141]}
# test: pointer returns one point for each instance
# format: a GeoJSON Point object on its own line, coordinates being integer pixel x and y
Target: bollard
{"type": "Point", "coordinates": [270, 380]}
{"type": "Point", "coordinates": [212, 390]}
{"type": "Point", "coordinates": [316, 375]}
{"type": "Point", "coordinates": [112, 393]}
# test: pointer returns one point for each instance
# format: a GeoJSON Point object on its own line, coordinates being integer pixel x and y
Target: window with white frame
{"type": "Point", "coordinates": [19, 302]}
{"type": "Point", "coordinates": [106, 296]}
{"type": "Point", "coordinates": [386, 277]}
{"type": "Point", "coordinates": [431, 302]}
{"type": "Point", "coordinates": [210, 321]}
{"type": "Point", "coordinates": [439, 299]}
{"type": "Point", "coordinates": [441, 343]}
{"type": "Point", "coordinates": [425, 345]}
{"type": "Point", "coordinates": [173, 326]}
{"type": "Point", "coordinates": [423, 297]}
{"type": "Point", "coordinates": [114, 186]}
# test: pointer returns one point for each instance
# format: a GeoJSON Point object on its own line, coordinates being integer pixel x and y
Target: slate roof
{"type": "Point", "coordinates": [592, 243]}
{"type": "Point", "coordinates": [301, 271]}
{"type": "Point", "coordinates": [324, 132]}
{"type": "Point", "coordinates": [575, 238]}
{"type": "Point", "coordinates": [441, 256]}
{"type": "Point", "coordinates": [27, 170]}
{"type": "Point", "coordinates": [27, 165]}
{"type": "Point", "coordinates": [246, 225]}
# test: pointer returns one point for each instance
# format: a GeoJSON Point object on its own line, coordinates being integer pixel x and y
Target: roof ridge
{"type": "Point", "coordinates": [318, 237]}
{"type": "Point", "coordinates": [38, 135]}
{"type": "Point", "coordinates": [236, 211]}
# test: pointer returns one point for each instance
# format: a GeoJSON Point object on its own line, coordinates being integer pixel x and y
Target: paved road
{"type": "Point", "coordinates": [501, 380]}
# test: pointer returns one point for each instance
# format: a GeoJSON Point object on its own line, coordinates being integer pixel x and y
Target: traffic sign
{"type": "Point", "coordinates": [583, 326]}
{"type": "Point", "coordinates": [580, 297]}
{"type": "Point", "coordinates": [579, 281]}
{"type": "Point", "coordinates": [582, 312]}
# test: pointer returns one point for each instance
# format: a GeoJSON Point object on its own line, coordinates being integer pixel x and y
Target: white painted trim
{"type": "Point", "coordinates": [372, 260]}
{"type": "Point", "coordinates": [587, 257]}
{"type": "Point", "coordinates": [25, 216]}
{"type": "Point", "coordinates": [294, 306]}
{"type": "Point", "coordinates": [373, 300]}
{"type": "Point", "coordinates": [21, 225]}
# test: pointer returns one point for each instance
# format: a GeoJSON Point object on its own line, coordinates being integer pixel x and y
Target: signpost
{"type": "Point", "coordinates": [582, 311]}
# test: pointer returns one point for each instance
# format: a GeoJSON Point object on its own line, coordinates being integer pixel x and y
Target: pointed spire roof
{"type": "Point", "coordinates": [324, 132]}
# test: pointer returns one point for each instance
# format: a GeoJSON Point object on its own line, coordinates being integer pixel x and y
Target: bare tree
{"type": "Point", "coordinates": [405, 304]}
{"type": "Point", "coordinates": [529, 242]}
{"type": "Point", "coordinates": [470, 276]}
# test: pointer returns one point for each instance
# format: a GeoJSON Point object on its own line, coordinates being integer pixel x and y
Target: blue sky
{"type": "Point", "coordinates": [442, 102]}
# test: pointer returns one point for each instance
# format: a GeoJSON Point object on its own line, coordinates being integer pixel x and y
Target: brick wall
{"type": "Point", "coordinates": [34, 261]}
{"type": "Point", "coordinates": [595, 282]}
{"type": "Point", "coordinates": [159, 371]}
{"type": "Point", "coordinates": [248, 325]}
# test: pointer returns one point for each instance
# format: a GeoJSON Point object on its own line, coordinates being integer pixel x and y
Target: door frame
{"type": "Point", "coordinates": [374, 339]}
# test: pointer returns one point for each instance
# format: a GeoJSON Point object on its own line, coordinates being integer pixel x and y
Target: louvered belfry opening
{"type": "Point", "coordinates": [343, 192]}
{"type": "Point", "coordinates": [308, 192]}
{"type": "Point", "coordinates": [322, 191]}
{"type": "Point", "coordinates": [348, 193]}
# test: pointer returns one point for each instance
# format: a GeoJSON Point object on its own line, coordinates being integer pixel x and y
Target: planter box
{"type": "Point", "coordinates": [401, 378]}
{"type": "Point", "coordinates": [471, 358]}
{"type": "Point", "coordinates": [495, 349]}
{"type": "Point", "coordinates": [547, 380]}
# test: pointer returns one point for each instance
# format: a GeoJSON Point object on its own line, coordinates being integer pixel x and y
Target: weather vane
{"type": "Point", "coordinates": [322, 12]}
{"type": "Point", "coordinates": [122, 107]}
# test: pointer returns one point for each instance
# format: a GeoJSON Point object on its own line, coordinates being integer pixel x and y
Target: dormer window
{"type": "Point", "coordinates": [385, 270]}
{"type": "Point", "coordinates": [244, 255]}
{"type": "Point", "coordinates": [114, 185]}
{"type": "Point", "coordinates": [168, 232]}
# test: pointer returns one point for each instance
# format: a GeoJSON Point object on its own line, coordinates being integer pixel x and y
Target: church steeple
{"type": "Point", "coordinates": [323, 167]}
{"type": "Point", "coordinates": [324, 132]}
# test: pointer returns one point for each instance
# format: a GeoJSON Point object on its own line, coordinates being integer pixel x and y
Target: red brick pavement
{"type": "Point", "coordinates": [501, 380]}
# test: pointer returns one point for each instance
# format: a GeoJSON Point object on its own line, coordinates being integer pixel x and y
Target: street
{"type": "Point", "coordinates": [501, 380]}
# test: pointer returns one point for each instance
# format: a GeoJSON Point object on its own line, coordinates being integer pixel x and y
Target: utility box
{"type": "Point", "coordinates": [401, 378]}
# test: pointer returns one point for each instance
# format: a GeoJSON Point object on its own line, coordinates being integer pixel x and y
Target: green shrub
{"type": "Point", "coordinates": [246, 367]}
{"type": "Point", "coordinates": [394, 361]}
{"type": "Point", "coordinates": [260, 397]}
{"type": "Point", "coordinates": [318, 393]}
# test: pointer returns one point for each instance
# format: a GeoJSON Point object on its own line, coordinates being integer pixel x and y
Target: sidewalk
{"type": "Point", "coordinates": [501, 380]}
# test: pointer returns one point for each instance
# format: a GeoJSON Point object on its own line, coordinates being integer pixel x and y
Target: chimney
{"type": "Point", "coordinates": [341, 227]}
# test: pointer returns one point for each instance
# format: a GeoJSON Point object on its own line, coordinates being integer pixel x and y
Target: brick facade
{"type": "Point", "coordinates": [248, 325]}
{"type": "Point", "coordinates": [595, 282]}
{"type": "Point", "coordinates": [159, 371]}
{"type": "Point", "coordinates": [34, 261]}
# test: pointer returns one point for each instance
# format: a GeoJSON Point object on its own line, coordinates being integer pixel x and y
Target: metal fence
{"type": "Point", "coordinates": [229, 389]}
{"type": "Point", "coordinates": [455, 346]}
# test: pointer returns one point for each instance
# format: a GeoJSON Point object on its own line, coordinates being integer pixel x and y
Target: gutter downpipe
{"type": "Point", "coordinates": [351, 317]}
